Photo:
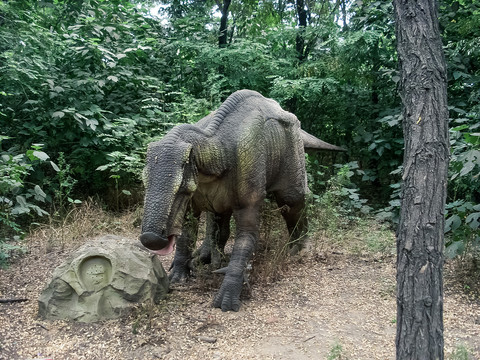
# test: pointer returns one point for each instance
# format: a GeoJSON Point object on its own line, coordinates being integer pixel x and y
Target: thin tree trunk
{"type": "Point", "coordinates": [343, 5]}
{"type": "Point", "coordinates": [302, 25]}
{"type": "Point", "coordinates": [420, 238]}
{"type": "Point", "coordinates": [223, 32]}
{"type": "Point", "coordinates": [222, 38]}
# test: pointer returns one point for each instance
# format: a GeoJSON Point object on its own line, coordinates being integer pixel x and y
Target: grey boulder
{"type": "Point", "coordinates": [103, 279]}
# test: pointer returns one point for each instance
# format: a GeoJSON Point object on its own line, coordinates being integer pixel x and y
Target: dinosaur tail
{"type": "Point", "coordinates": [311, 142]}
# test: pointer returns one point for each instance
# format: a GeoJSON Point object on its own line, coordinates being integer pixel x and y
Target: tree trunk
{"type": "Point", "coordinates": [302, 25]}
{"type": "Point", "coordinates": [420, 238]}
{"type": "Point", "coordinates": [223, 32]}
{"type": "Point", "coordinates": [222, 37]}
{"type": "Point", "coordinates": [343, 7]}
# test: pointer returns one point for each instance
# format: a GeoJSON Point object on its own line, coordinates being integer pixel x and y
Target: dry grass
{"type": "Point", "coordinates": [85, 221]}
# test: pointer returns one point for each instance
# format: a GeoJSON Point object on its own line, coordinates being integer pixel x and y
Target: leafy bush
{"type": "Point", "coordinates": [86, 86]}
{"type": "Point", "coordinates": [19, 197]}
{"type": "Point", "coordinates": [463, 211]}
{"type": "Point", "coordinates": [342, 197]}
{"type": "Point", "coordinates": [462, 228]}
{"type": "Point", "coordinates": [20, 200]}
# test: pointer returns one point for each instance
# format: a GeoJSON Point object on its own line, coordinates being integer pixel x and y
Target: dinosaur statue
{"type": "Point", "coordinates": [225, 164]}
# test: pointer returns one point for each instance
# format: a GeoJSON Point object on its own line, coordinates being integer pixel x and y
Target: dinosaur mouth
{"type": "Point", "coordinates": [157, 244]}
{"type": "Point", "coordinates": [168, 248]}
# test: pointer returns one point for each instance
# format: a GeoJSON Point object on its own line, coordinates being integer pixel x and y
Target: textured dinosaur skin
{"type": "Point", "coordinates": [225, 165]}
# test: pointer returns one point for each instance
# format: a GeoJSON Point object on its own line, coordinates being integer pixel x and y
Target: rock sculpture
{"type": "Point", "coordinates": [102, 280]}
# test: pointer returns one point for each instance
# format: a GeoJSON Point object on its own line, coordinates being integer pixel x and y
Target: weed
{"type": "Point", "coordinates": [344, 218]}
{"type": "Point", "coordinates": [142, 317]}
{"type": "Point", "coordinates": [466, 271]}
{"type": "Point", "coordinates": [64, 187]}
{"type": "Point", "coordinates": [460, 353]}
{"type": "Point", "coordinates": [336, 352]}
{"type": "Point", "coordinates": [342, 197]}
{"type": "Point", "coordinates": [8, 251]}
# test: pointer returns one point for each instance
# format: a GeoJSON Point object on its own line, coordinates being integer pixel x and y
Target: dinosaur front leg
{"type": "Point", "coordinates": [181, 266]}
{"type": "Point", "coordinates": [247, 223]}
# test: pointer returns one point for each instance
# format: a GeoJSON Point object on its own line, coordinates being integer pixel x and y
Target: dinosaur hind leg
{"type": "Point", "coordinates": [296, 219]}
{"type": "Point", "coordinates": [217, 234]}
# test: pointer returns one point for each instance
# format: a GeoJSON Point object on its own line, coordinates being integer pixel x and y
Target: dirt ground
{"type": "Point", "coordinates": [326, 305]}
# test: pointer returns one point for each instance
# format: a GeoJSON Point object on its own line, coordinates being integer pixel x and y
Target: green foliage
{"type": "Point", "coordinates": [462, 228]}
{"type": "Point", "coordinates": [341, 197]}
{"type": "Point", "coordinates": [20, 200]}
{"type": "Point", "coordinates": [6, 251]}
{"type": "Point", "coordinates": [18, 197]}
{"type": "Point", "coordinates": [460, 353]}
{"type": "Point", "coordinates": [463, 211]}
{"type": "Point", "coordinates": [461, 20]}
{"type": "Point", "coordinates": [336, 352]}
{"type": "Point", "coordinates": [72, 85]}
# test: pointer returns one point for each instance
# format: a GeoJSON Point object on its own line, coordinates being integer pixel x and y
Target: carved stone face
{"type": "Point", "coordinates": [101, 280]}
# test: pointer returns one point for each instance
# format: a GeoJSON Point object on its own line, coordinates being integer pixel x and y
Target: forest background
{"type": "Point", "coordinates": [86, 85]}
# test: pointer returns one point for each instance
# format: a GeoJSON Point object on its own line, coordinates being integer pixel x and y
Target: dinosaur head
{"type": "Point", "coordinates": [170, 178]}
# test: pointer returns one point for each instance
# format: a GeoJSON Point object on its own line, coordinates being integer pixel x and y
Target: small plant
{"type": "Point", "coordinates": [62, 203]}
{"type": "Point", "coordinates": [118, 193]}
{"type": "Point", "coordinates": [122, 164]}
{"type": "Point", "coordinates": [391, 212]}
{"type": "Point", "coordinates": [336, 352]}
{"type": "Point", "coordinates": [65, 185]}
{"type": "Point", "coordinates": [460, 353]}
{"type": "Point", "coordinates": [342, 195]}
{"type": "Point", "coordinates": [142, 317]}
{"type": "Point", "coordinates": [7, 250]}
{"type": "Point", "coordinates": [379, 239]}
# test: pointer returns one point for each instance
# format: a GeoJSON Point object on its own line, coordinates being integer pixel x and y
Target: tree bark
{"type": "Point", "coordinates": [420, 238]}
